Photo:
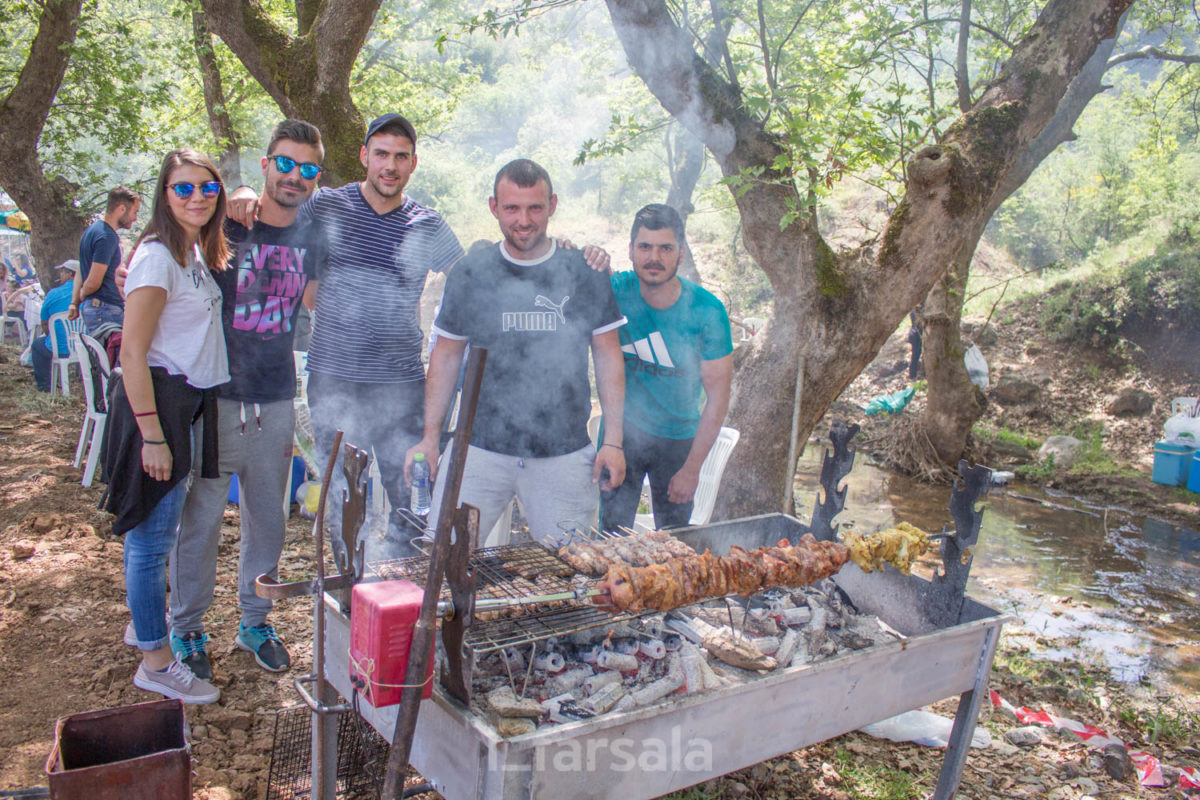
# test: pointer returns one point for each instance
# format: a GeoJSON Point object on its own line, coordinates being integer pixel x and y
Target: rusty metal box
{"type": "Point", "coordinates": [136, 752]}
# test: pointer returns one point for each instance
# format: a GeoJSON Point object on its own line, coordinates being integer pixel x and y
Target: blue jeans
{"type": "Point", "coordinates": [96, 312]}
{"type": "Point", "coordinates": [147, 546]}
{"type": "Point", "coordinates": [40, 353]}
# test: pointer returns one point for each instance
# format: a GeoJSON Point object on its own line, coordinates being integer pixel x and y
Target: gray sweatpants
{"type": "Point", "coordinates": [260, 452]}
{"type": "Point", "coordinates": [556, 493]}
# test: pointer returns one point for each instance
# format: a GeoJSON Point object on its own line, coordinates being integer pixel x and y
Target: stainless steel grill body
{"type": "Point", "coordinates": [659, 749]}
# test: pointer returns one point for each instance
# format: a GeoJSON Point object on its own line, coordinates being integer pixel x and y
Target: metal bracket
{"type": "Point", "coordinates": [349, 552]}
{"type": "Point", "coordinates": [947, 590]}
{"type": "Point", "coordinates": [834, 469]}
{"type": "Point", "coordinates": [456, 675]}
{"type": "Point", "coordinates": [313, 704]}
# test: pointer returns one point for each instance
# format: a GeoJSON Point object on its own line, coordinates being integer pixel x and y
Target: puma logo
{"type": "Point", "coordinates": [541, 301]}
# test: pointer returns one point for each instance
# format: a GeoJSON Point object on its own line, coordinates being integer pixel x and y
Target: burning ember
{"type": "Point", "coordinates": [641, 662]}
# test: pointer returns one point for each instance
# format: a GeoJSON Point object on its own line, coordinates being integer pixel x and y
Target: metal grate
{"type": "Point", "coordinates": [524, 570]}
{"type": "Point", "coordinates": [362, 755]}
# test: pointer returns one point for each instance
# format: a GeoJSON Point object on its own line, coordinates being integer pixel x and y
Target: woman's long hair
{"type": "Point", "coordinates": [164, 227]}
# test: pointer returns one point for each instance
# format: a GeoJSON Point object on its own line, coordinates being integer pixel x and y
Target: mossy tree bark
{"type": "Point", "coordinates": [47, 200]}
{"type": "Point", "coordinates": [833, 311]}
{"type": "Point", "coordinates": [955, 404]}
{"type": "Point", "coordinates": [215, 102]}
{"type": "Point", "coordinates": [306, 73]}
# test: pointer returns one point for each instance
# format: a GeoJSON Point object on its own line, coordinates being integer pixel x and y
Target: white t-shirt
{"type": "Point", "coordinates": [189, 339]}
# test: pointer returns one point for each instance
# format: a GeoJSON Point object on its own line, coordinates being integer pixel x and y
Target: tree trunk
{"type": "Point", "coordinates": [952, 409]}
{"type": "Point", "coordinates": [219, 121]}
{"type": "Point", "coordinates": [835, 311]}
{"type": "Point", "coordinates": [55, 222]}
{"type": "Point", "coordinates": [687, 161]}
{"type": "Point", "coordinates": [954, 403]}
{"type": "Point", "coordinates": [306, 74]}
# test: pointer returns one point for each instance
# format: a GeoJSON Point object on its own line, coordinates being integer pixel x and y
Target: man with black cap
{"type": "Point", "coordinates": [366, 376]}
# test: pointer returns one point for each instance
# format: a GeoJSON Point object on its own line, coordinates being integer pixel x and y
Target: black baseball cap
{"type": "Point", "coordinates": [392, 120]}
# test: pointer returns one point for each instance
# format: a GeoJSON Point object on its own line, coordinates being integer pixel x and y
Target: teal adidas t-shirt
{"type": "Point", "coordinates": [663, 349]}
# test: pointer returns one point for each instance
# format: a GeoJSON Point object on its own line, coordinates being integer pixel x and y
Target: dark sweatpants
{"type": "Point", "coordinates": [660, 459]}
{"type": "Point", "coordinates": [385, 419]}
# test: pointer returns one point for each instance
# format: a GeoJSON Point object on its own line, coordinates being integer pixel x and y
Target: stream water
{"type": "Point", "coordinates": [1121, 589]}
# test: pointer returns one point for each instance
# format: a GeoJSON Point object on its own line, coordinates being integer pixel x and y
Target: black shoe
{"type": "Point", "coordinates": [268, 651]}
{"type": "Point", "coordinates": [191, 652]}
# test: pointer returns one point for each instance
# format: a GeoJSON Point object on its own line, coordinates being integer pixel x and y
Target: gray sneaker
{"type": "Point", "coordinates": [177, 682]}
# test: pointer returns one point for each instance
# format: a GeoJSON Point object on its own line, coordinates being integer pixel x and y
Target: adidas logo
{"type": "Point", "coordinates": [652, 350]}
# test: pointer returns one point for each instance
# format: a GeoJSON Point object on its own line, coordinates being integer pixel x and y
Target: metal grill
{"type": "Point", "coordinates": [361, 753]}
{"type": "Point", "coordinates": [512, 571]}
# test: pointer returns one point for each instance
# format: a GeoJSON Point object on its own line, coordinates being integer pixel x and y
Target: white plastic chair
{"type": "Point", "coordinates": [706, 490]}
{"type": "Point", "coordinates": [1184, 405]}
{"type": "Point", "coordinates": [95, 393]}
{"type": "Point", "coordinates": [59, 365]}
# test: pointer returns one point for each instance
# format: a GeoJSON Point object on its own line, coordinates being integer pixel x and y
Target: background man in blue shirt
{"type": "Point", "coordinates": [57, 300]}
{"type": "Point", "coordinates": [96, 295]}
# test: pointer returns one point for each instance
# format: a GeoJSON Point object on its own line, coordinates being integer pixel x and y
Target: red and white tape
{"type": "Point", "coordinates": [1148, 767]}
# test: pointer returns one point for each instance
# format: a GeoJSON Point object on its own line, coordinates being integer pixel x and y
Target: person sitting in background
{"type": "Point", "coordinates": [14, 299]}
{"type": "Point", "coordinates": [172, 356]}
{"type": "Point", "coordinates": [57, 301]}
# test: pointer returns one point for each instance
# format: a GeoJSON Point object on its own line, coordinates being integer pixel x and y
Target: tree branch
{"type": "Point", "coordinates": [1150, 51]}
{"type": "Point", "coordinates": [962, 78]}
{"type": "Point", "coordinates": [215, 104]}
{"type": "Point", "coordinates": [721, 34]}
{"type": "Point", "coordinates": [23, 111]}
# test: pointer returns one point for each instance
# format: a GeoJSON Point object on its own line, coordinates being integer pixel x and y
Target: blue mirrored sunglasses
{"type": "Point", "coordinates": [308, 170]}
{"type": "Point", "coordinates": [184, 190]}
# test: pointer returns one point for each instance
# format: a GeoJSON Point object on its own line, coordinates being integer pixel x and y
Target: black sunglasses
{"type": "Point", "coordinates": [184, 190]}
{"type": "Point", "coordinates": [308, 170]}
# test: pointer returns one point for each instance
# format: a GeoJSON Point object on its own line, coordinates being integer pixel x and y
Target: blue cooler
{"type": "Point", "coordinates": [1193, 483]}
{"type": "Point", "coordinates": [299, 473]}
{"type": "Point", "coordinates": [1172, 463]}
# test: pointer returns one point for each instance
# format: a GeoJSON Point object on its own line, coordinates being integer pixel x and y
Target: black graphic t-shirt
{"type": "Point", "coordinates": [536, 320]}
{"type": "Point", "coordinates": [262, 290]}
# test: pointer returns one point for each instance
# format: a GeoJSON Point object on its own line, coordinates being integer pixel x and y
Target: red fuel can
{"type": "Point", "coordinates": [382, 616]}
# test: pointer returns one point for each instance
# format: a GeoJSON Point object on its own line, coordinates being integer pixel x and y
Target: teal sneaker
{"type": "Point", "coordinates": [191, 651]}
{"type": "Point", "coordinates": [268, 651]}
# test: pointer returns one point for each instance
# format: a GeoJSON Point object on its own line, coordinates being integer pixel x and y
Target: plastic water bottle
{"type": "Point", "coordinates": [420, 485]}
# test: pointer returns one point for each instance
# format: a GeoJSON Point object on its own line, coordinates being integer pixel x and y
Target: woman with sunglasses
{"type": "Point", "coordinates": [172, 356]}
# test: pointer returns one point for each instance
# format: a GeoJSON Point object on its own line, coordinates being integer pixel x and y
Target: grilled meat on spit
{"type": "Point", "coordinates": [899, 546]}
{"type": "Point", "coordinates": [639, 550]}
{"type": "Point", "coordinates": [682, 581]}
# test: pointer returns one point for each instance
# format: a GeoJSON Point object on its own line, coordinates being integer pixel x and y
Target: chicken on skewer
{"type": "Point", "coordinates": [685, 580]}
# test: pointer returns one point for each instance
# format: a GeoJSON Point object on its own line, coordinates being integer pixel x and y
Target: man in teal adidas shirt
{"type": "Point", "coordinates": [678, 368]}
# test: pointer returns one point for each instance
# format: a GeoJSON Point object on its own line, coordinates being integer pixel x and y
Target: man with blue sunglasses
{"type": "Point", "coordinates": [275, 265]}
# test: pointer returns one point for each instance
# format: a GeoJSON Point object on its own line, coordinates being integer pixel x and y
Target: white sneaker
{"type": "Point", "coordinates": [176, 682]}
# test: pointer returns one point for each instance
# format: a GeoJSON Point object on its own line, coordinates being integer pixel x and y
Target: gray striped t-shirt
{"type": "Point", "coordinates": [367, 323]}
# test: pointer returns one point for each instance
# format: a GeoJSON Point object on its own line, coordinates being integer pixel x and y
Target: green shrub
{"type": "Point", "coordinates": [1165, 284]}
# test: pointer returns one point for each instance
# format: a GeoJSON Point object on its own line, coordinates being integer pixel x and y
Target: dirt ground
{"type": "Point", "coordinates": [62, 613]}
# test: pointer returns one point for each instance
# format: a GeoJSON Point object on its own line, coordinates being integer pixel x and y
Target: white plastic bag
{"type": "Point", "coordinates": [1182, 429]}
{"type": "Point", "coordinates": [922, 727]}
{"type": "Point", "coordinates": [977, 368]}
{"type": "Point", "coordinates": [26, 357]}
